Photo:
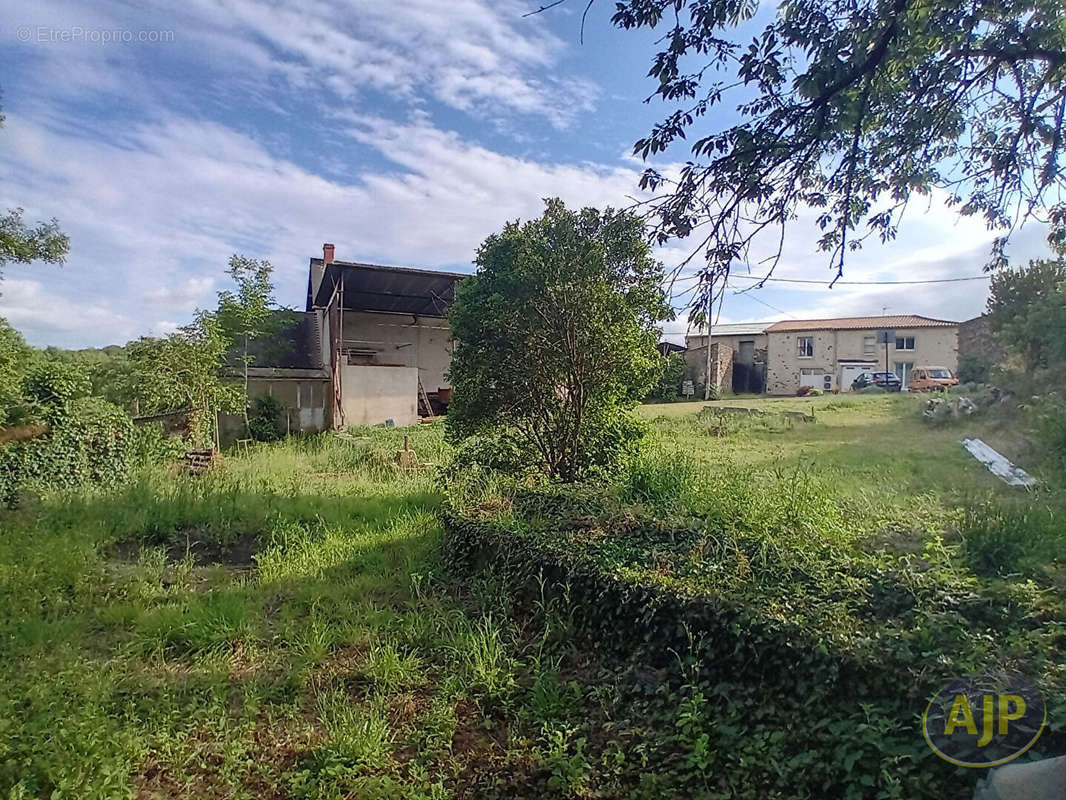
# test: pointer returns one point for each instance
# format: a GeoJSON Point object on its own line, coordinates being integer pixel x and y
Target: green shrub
{"type": "Point", "coordinates": [265, 423]}
{"type": "Point", "coordinates": [669, 386]}
{"type": "Point", "coordinates": [151, 445]}
{"type": "Point", "coordinates": [871, 390]}
{"type": "Point", "coordinates": [53, 384]}
{"type": "Point", "coordinates": [815, 392]}
{"type": "Point", "coordinates": [973, 369]}
{"type": "Point", "coordinates": [88, 441]}
{"type": "Point", "coordinates": [613, 443]}
{"type": "Point", "coordinates": [1048, 424]}
{"type": "Point", "coordinates": [498, 451]}
{"type": "Point", "coordinates": [555, 336]}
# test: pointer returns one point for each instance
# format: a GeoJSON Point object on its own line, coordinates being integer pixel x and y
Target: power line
{"type": "Point", "coordinates": [769, 279]}
{"type": "Point", "coordinates": [862, 283]}
{"type": "Point", "coordinates": [757, 300]}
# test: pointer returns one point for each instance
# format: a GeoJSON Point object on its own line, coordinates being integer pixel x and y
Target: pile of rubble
{"type": "Point", "coordinates": [945, 407]}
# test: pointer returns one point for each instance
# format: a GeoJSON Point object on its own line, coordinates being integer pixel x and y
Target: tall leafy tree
{"type": "Point", "coordinates": [184, 371]}
{"type": "Point", "coordinates": [246, 314]}
{"type": "Point", "coordinates": [555, 335]}
{"type": "Point", "coordinates": [851, 107]}
{"type": "Point", "coordinates": [1027, 310]}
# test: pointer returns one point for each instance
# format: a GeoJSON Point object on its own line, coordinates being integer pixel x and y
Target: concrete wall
{"type": "Point", "coordinates": [373, 394]}
{"type": "Point", "coordinates": [305, 398]}
{"type": "Point", "coordinates": [373, 339]}
{"type": "Point", "coordinates": [939, 346]}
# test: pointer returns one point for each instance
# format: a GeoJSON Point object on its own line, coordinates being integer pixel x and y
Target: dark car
{"type": "Point", "coordinates": [889, 381]}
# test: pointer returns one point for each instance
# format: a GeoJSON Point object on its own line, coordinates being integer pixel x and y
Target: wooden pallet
{"type": "Point", "coordinates": [197, 462]}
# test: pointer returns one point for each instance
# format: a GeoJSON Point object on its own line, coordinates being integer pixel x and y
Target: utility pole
{"type": "Point", "coordinates": [710, 308]}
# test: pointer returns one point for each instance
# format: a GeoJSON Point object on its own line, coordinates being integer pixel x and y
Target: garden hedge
{"type": "Point", "coordinates": [822, 713]}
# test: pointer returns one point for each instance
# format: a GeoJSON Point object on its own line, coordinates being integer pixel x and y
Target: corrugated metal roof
{"type": "Point", "coordinates": [734, 329]}
{"type": "Point", "coordinates": [396, 290]}
{"type": "Point", "coordinates": [856, 323]}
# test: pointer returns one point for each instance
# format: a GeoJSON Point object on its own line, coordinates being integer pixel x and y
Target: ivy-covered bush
{"type": "Point", "coordinates": [88, 441]}
{"type": "Point", "coordinates": [817, 657]}
{"type": "Point", "coordinates": [152, 445]}
{"type": "Point", "coordinates": [53, 384]}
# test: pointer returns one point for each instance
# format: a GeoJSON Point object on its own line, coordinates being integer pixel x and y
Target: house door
{"type": "Point", "coordinates": [903, 372]}
{"type": "Point", "coordinates": [746, 352]}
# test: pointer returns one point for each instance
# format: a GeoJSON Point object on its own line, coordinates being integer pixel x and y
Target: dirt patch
{"type": "Point", "coordinates": [487, 767]}
{"type": "Point", "coordinates": [271, 752]}
{"type": "Point", "coordinates": [201, 544]}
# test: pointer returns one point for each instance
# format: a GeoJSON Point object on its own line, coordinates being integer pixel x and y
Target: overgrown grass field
{"type": "Point", "coordinates": [271, 629]}
{"type": "Point", "coordinates": [284, 626]}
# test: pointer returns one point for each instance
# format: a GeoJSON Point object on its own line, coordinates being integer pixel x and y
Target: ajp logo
{"type": "Point", "coordinates": [984, 720]}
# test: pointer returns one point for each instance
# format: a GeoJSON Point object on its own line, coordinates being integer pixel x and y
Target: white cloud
{"type": "Point", "coordinates": [185, 296]}
{"type": "Point", "coordinates": [165, 328]}
{"type": "Point", "coordinates": [153, 219]}
{"type": "Point", "coordinates": [479, 56]}
{"type": "Point", "coordinates": [40, 309]}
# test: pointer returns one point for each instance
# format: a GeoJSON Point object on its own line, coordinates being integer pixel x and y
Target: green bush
{"type": "Point", "coordinates": [973, 369]}
{"type": "Point", "coordinates": [151, 445]}
{"type": "Point", "coordinates": [265, 419]}
{"type": "Point", "coordinates": [1048, 424]}
{"type": "Point", "coordinates": [89, 441]}
{"type": "Point", "coordinates": [53, 384]}
{"type": "Point", "coordinates": [669, 386]}
{"type": "Point", "coordinates": [871, 390]}
{"type": "Point", "coordinates": [555, 337]}
{"type": "Point", "coordinates": [497, 451]}
{"type": "Point", "coordinates": [616, 440]}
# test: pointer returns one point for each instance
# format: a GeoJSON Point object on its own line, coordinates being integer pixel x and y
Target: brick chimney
{"type": "Point", "coordinates": [327, 253]}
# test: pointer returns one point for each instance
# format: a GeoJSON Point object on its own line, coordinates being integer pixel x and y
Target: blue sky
{"type": "Point", "coordinates": [404, 132]}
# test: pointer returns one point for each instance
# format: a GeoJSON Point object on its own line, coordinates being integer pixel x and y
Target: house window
{"type": "Point", "coordinates": [869, 345]}
{"type": "Point", "coordinates": [904, 342]}
{"type": "Point", "coordinates": [805, 346]}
